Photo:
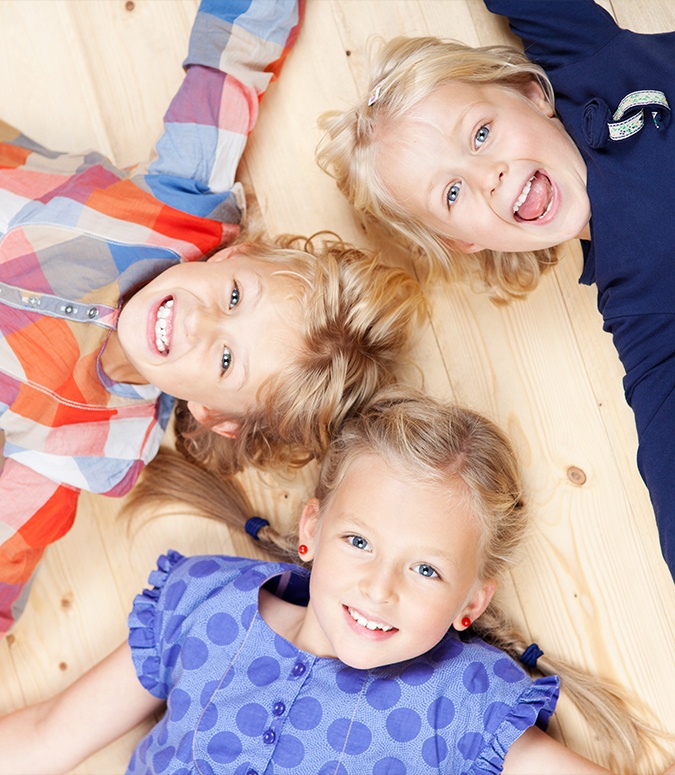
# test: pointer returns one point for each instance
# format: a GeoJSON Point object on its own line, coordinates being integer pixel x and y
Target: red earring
{"type": "Point", "coordinates": [302, 549]}
{"type": "Point", "coordinates": [466, 622]}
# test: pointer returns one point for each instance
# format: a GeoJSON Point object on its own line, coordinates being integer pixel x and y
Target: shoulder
{"type": "Point", "coordinates": [477, 699]}
{"type": "Point", "coordinates": [202, 577]}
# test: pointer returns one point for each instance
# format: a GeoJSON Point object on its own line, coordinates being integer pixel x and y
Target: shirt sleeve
{"type": "Point", "coordinates": [35, 513]}
{"type": "Point", "coordinates": [554, 34]}
{"type": "Point", "coordinates": [235, 51]}
{"type": "Point", "coordinates": [533, 707]}
{"type": "Point", "coordinates": [165, 618]}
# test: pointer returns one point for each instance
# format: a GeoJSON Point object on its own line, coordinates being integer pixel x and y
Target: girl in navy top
{"type": "Point", "coordinates": [465, 155]}
{"type": "Point", "coordinates": [389, 657]}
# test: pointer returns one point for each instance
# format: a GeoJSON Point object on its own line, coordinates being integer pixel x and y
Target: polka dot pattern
{"type": "Point", "coordinates": [243, 700]}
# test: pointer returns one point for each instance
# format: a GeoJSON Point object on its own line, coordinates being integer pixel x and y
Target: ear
{"type": "Point", "coordinates": [460, 245]}
{"type": "Point", "coordinates": [465, 247]}
{"type": "Point", "coordinates": [204, 415]}
{"type": "Point", "coordinates": [535, 94]}
{"type": "Point", "coordinates": [307, 528]}
{"type": "Point", "coordinates": [478, 602]}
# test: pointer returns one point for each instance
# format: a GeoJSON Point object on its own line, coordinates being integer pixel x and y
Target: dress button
{"type": "Point", "coordinates": [298, 669]}
{"type": "Point", "coordinates": [268, 736]}
{"type": "Point", "coordinates": [278, 708]}
{"type": "Point", "coordinates": [93, 312]}
{"type": "Point", "coordinates": [251, 772]}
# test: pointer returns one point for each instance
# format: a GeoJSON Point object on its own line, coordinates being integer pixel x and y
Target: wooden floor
{"type": "Point", "coordinates": [591, 587]}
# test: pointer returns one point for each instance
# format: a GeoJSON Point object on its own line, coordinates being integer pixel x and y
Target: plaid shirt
{"type": "Point", "coordinates": [76, 235]}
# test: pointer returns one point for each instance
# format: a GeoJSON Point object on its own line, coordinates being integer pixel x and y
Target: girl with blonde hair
{"type": "Point", "coordinates": [463, 154]}
{"type": "Point", "coordinates": [388, 656]}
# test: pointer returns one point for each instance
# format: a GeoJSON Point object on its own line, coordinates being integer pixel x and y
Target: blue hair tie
{"type": "Point", "coordinates": [253, 525]}
{"type": "Point", "coordinates": [531, 654]}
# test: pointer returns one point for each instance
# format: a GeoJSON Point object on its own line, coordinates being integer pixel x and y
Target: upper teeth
{"type": "Point", "coordinates": [523, 195]}
{"type": "Point", "coordinates": [361, 619]}
{"type": "Point", "coordinates": [161, 325]}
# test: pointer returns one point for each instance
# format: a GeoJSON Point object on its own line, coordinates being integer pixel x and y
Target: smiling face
{"type": "Point", "coordinates": [213, 331]}
{"type": "Point", "coordinates": [394, 566]}
{"type": "Point", "coordinates": [488, 168]}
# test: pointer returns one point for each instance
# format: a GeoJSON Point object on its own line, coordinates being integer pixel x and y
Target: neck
{"type": "Point", "coordinates": [585, 232]}
{"type": "Point", "coordinates": [116, 364]}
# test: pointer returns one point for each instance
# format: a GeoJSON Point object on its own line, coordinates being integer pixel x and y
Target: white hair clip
{"type": "Point", "coordinates": [375, 95]}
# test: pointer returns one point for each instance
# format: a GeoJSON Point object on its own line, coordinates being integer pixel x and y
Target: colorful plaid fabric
{"type": "Point", "coordinates": [76, 235]}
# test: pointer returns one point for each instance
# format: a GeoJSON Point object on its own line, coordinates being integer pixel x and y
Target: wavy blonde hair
{"type": "Point", "coordinates": [405, 72]}
{"type": "Point", "coordinates": [429, 442]}
{"type": "Point", "coordinates": [358, 316]}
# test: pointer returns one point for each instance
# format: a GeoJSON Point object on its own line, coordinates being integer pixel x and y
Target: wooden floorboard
{"type": "Point", "coordinates": [591, 585]}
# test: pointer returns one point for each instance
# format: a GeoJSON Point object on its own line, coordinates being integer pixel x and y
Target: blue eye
{"type": "Point", "coordinates": [482, 135]}
{"type": "Point", "coordinates": [358, 542]}
{"type": "Point", "coordinates": [425, 570]}
{"type": "Point", "coordinates": [226, 361]}
{"type": "Point", "coordinates": [235, 296]}
{"type": "Point", "coordinates": [453, 193]}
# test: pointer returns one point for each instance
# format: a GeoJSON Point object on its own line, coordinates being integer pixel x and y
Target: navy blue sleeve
{"type": "Point", "coordinates": [557, 32]}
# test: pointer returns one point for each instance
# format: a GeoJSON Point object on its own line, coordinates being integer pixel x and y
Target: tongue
{"type": "Point", "coordinates": [537, 199]}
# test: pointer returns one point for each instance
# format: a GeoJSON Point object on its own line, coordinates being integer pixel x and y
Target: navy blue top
{"type": "Point", "coordinates": [593, 65]}
{"type": "Point", "coordinates": [242, 700]}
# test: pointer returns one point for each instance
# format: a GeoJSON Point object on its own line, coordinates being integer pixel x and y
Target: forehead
{"type": "Point", "coordinates": [388, 500]}
{"type": "Point", "coordinates": [443, 110]}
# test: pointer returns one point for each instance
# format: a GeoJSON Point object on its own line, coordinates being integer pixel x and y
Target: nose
{"type": "Point", "coordinates": [379, 582]}
{"type": "Point", "coordinates": [491, 174]}
{"type": "Point", "coordinates": [202, 323]}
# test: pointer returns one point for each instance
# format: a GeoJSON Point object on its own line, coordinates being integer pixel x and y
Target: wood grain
{"type": "Point", "coordinates": [591, 585]}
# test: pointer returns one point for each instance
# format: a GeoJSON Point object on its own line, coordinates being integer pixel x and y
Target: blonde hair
{"type": "Point", "coordinates": [428, 442]}
{"type": "Point", "coordinates": [406, 71]}
{"type": "Point", "coordinates": [358, 315]}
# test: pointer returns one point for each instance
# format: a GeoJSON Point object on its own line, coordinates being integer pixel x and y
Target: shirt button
{"type": "Point", "coordinates": [268, 736]}
{"type": "Point", "coordinates": [33, 301]}
{"type": "Point", "coordinates": [251, 772]}
{"type": "Point", "coordinates": [93, 312]}
{"type": "Point", "coordinates": [278, 709]}
{"type": "Point", "coordinates": [298, 669]}
{"type": "Point", "coordinates": [69, 309]}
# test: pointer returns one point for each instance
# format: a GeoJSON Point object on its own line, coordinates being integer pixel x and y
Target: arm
{"type": "Point", "coordinates": [536, 753]}
{"type": "Point", "coordinates": [233, 56]}
{"type": "Point", "coordinates": [56, 735]}
{"type": "Point", "coordinates": [35, 512]}
{"type": "Point", "coordinates": [557, 34]}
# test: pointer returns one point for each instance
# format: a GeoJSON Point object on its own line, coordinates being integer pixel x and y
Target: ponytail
{"type": "Point", "coordinates": [612, 715]}
{"type": "Point", "coordinates": [170, 478]}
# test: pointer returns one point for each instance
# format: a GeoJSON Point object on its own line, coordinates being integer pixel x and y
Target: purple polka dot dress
{"type": "Point", "coordinates": [242, 700]}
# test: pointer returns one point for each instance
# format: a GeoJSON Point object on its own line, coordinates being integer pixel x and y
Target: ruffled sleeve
{"type": "Point", "coordinates": [145, 626]}
{"type": "Point", "coordinates": [534, 706]}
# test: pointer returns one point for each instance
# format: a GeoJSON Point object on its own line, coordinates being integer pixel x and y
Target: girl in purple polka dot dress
{"type": "Point", "coordinates": [388, 657]}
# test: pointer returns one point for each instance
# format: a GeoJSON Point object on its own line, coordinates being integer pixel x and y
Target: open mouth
{"type": "Point", "coordinates": [163, 326]}
{"type": "Point", "coordinates": [359, 618]}
{"type": "Point", "coordinates": [535, 199]}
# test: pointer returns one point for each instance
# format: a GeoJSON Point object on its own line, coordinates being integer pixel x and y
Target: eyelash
{"type": "Point", "coordinates": [433, 575]}
{"type": "Point", "coordinates": [352, 539]}
{"type": "Point", "coordinates": [455, 188]}
{"type": "Point", "coordinates": [226, 361]}
{"type": "Point", "coordinates": [235, 298]}
{"type": "Point", "coordinates": [482, 142]}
